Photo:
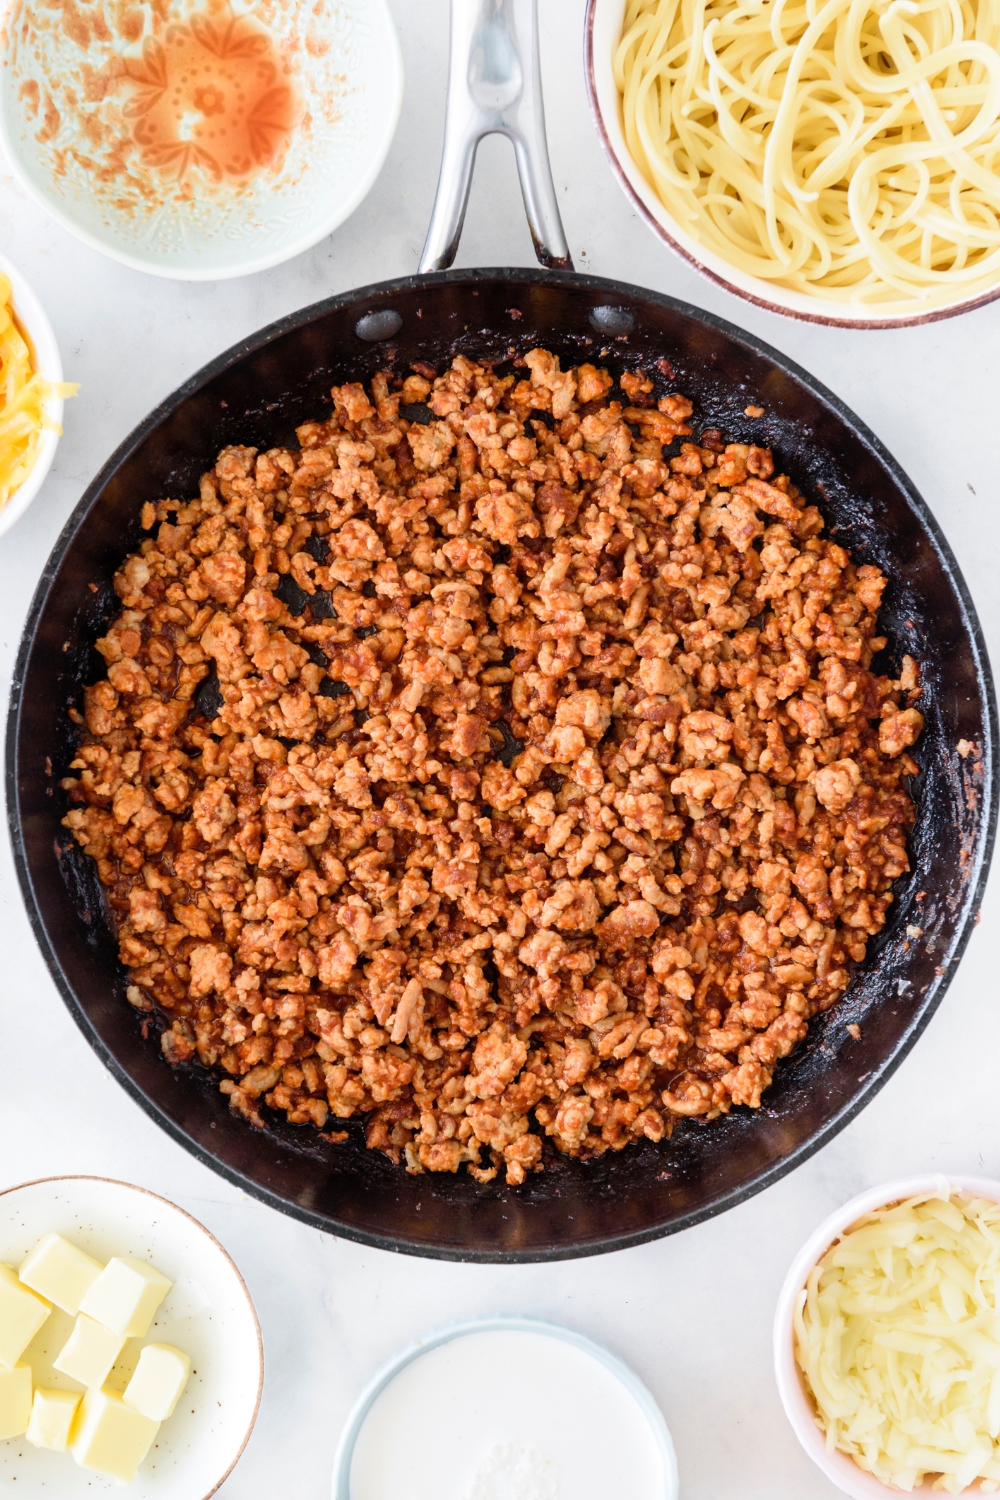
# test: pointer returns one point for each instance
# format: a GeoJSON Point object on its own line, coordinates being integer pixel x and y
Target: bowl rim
{"type": "Point", "coordinates": [501, 1322]}
{"type": "Point", "coordinates": [41, 339]}
{"type": "Point", "coordinates": [839, 1467]}
{"type": "Point", "coordinates": [629, 179]}
{"type": "Point", "coordinates": [391, 70]}
{"type": "Point", "coordinates": [365, 298]}
{"type": "Point", "coordinates": [135, 1188]}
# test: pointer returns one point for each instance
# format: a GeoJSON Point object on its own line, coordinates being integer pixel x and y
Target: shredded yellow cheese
{"type": "Point", "coordinates": [24, 396]}
{"type": "Point", "coordinates": [898, 1335]}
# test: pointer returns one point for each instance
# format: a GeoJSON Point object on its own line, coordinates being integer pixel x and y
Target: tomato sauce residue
{"type": "Point", "coordinates": [210, 93]}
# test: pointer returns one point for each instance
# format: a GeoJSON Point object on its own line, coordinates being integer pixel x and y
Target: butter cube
{"type": "Point", "coordinates": [15, 1400]}
{"type": "Point", "coordinates": [89, 1352]}
{"type": "Point", "coordinates": [110, 1437]}
{"type": "Point", "coordinates": [22, 1313]}
{"type": "Point", "coordinates": [126, 1295]}
{"type": "Point", "coordinates": [52, 1414]}
{"type": "Point", "coordinates": [59, 1271]}
{"type": "Point", "coordinates": [160, 1376]}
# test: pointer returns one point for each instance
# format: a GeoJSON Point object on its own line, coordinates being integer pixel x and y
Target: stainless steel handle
{"type": "Point", "coordinates": [494, 88]}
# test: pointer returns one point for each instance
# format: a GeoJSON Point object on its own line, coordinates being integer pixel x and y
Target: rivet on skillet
{"type": "Point", "coordinates": [374, 327]}
{"type": "Point", "coordinates": [613, 320]}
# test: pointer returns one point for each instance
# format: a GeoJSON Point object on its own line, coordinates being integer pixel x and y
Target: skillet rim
{"type": "Point", "coordinates": [990, 793]}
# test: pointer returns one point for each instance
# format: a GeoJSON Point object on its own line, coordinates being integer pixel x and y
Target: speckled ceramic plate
{"type": "Point", "coordinates": [207, 139]}
{"type": "Point", "coordinates": [208, 1313]}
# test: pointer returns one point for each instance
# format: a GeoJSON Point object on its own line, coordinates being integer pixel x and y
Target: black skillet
{"type": "Point", "coordinates": [256, 393]}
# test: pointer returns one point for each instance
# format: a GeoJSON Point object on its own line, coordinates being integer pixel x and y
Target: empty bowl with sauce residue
{"type": "Point", "coordinates": [205, 139]}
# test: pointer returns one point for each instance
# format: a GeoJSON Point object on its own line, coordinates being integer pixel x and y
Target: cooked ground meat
{"type": "Point", "coordinates": [539, 785]}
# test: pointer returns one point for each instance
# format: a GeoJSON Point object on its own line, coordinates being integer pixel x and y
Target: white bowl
{"type": "Point", "coordinates": [346, 65]}
{"type": "Point", "coordinates": [602, 32]}
{"type": "Point", "coordinates": [645, 1403]}
{"type": "Point", "coordinates": [37, 330]}
{"type": "Point", "coordinates": [838, 1467]}
{"type": "Point", "coordinates": [207, 1313]}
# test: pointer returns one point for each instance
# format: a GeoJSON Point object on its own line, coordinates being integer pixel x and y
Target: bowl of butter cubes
{"type": "Point", "coordinates": [130, 1352]}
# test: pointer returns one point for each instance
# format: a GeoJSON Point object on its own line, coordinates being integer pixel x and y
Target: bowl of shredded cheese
{"type": "Point", "coordinates": [835, 161]}
{"type": "Point", "coordinates": [887, 1340]}
{"type": "Point", "coordinates": [32, 392]}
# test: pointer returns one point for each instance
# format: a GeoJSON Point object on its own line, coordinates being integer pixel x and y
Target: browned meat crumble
{"type": "Point", "coordinates": [556, 799]}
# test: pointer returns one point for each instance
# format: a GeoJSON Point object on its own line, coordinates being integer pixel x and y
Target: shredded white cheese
{"type": "Point", "coordinates": [898, 1335]}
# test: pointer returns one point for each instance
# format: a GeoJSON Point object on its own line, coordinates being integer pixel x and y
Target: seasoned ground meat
{"type": "Point", "coordinates": [499, 764]}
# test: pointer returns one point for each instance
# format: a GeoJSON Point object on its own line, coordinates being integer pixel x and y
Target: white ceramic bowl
{"type": "Point", "coordinates": [61, 128]}
{"type": "Point", "coordinates": [602, 32]}
{"type": "Point", "coordinates": [838, 1467]}
{"type": "Point", "coordinates": [207, 1313]}
{"type": "Point", "coordinates": [647, 1407]}
{"type": "Point", "coordinates": [33, 323]}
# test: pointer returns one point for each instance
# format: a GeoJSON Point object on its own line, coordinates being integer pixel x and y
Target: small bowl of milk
{"type": "Point", "coordinates": [505, 1408]}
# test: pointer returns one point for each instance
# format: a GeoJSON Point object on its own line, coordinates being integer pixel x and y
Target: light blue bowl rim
{"type": "Point", "coordinates": [508, 1323]}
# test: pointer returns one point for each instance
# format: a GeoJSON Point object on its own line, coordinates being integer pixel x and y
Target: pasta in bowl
{"type": "Point", "coordinates": [32, 392]}
{"type": "Point", "coordinates": [835, 162]}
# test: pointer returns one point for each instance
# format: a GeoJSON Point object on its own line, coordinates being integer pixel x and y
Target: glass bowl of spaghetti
{"type": "Point", "coordinates": [31, 395]}
{"type": "Point", "coordinates": [833, 160]}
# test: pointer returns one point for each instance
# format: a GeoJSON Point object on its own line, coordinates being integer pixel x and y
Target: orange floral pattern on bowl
{"type": "Point", "coordinates": [210, 95]}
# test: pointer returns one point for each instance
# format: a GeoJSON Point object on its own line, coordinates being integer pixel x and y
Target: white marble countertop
{"type": "Point", "coordinates": [692, 1313]}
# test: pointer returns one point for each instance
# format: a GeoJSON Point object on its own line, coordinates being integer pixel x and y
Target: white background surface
{"type": "Point", "coordinates": [691, 1314]}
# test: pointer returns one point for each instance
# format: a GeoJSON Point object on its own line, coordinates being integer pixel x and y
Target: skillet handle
{"type": "Point", "coordinates": [494, 88]}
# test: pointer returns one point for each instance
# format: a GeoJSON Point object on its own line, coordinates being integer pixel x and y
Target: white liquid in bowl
{"type": "Point", "coordinates": [506, 1415]}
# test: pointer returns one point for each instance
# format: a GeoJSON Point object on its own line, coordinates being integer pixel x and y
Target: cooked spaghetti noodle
{"type": "Point", "coordinates": [24, 396]}
{"type": "Point", "coordinates": [847, 149]}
